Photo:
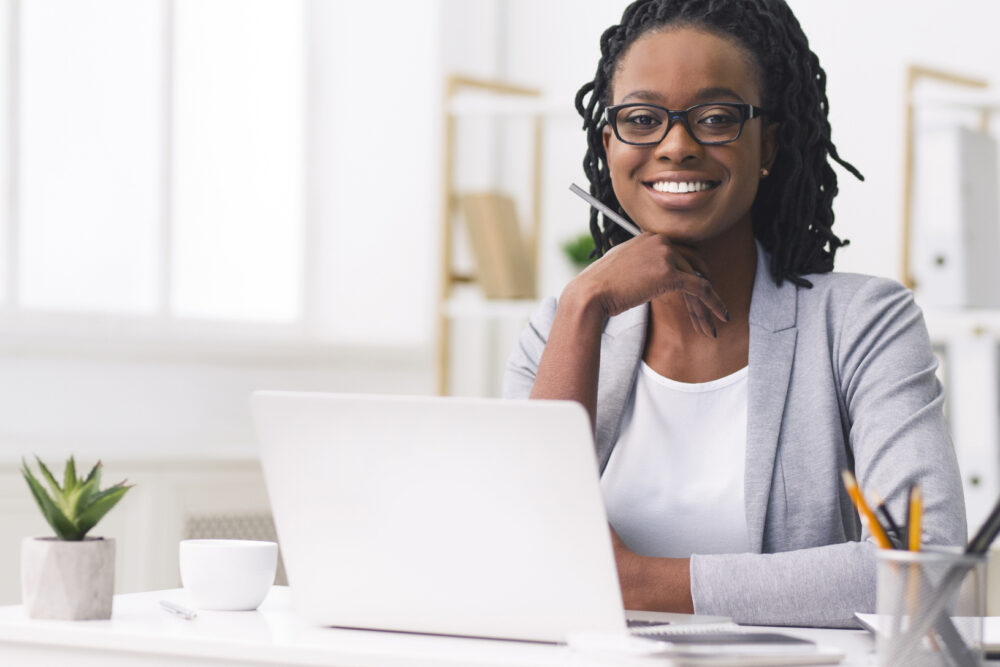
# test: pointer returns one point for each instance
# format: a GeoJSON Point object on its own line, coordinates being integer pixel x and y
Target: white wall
{"type": "Point", "coordinates": [375, 202]}
{"type": "Point", "coordinates": [374, 164]}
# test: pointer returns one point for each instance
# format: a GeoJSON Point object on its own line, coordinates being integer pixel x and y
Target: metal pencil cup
{"type": "Point", "coordinates": [930, 605]}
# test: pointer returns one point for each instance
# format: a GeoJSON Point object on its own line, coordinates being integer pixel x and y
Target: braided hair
{"type": "Point", "coordinates": [792, 213]}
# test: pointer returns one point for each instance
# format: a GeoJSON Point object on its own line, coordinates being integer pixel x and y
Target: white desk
{"type": "Point", "coordinates": [140, 633]}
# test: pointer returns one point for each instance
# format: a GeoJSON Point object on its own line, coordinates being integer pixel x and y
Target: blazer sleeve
{"type": "Point", "coordinates": [897, 435]}
{"type": "Point", "coordinates": [522, 365]}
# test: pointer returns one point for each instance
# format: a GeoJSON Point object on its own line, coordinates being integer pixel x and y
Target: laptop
{"type": "Point", "coordinates": [454, 516]}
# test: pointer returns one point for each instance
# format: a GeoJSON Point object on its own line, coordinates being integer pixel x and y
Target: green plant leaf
{"type": "Point", "coordinates": [101, 503]}
{"type": "Point", "coordinates": [69, 476]}
{"type": "Point", "coordinates": [95, 473]}
{"type": "Point", "coordinates": [578, 250]}
{"type": "Point", "coordinates": [57, 491]}
{"type": "Point", "coordinates": [95, 476]}
{"type": "Point", "coordinates": [63, 527]}
{"type": "Point", "coordinates": [81, 498]}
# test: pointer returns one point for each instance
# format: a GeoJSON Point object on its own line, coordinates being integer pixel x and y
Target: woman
{"type": "Point", "coordinates": [729, 374]}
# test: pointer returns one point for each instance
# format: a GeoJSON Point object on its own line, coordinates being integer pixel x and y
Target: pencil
{"type": "Point", "coordinates": [914, 517]}
{"type": "Point", "coordinates": [599, 205]}
{"type": "Point", "coordinates": [867, 516]}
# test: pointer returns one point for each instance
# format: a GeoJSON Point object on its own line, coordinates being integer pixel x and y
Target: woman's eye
{"type": "Point", "coordinates": [717, 117]}
{"type": "Point", "coordinates": [642, 119]}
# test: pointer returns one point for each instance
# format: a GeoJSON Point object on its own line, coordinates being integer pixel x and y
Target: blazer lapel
{"type": "Point", "coordinates": [772, 352]}
{"type": "Point", "coordinates": [621, 350]}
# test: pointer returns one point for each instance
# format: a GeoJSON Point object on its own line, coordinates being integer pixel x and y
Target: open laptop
{"type": "Point", "coordinates": [475, 517]}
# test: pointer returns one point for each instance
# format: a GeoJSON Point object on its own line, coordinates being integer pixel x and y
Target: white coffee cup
{"type": "Point", "coordinates": [227, 575]}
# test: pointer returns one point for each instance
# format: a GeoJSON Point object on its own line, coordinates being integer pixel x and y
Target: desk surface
{"type": "Point", "coordinates": [140, 632]}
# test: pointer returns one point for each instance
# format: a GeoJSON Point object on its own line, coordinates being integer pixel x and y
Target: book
{"type": "Point", "coordinates": [504, 267]}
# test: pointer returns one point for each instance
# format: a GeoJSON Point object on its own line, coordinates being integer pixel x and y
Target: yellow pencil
{"type": "Point", "coordinates": [867, 516]}
{"type": "Point", "coordinates": [915, 517]}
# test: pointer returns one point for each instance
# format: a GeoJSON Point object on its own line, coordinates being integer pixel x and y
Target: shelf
{"type": "Point", "coordinates": [479, 308]}
{"type": "Point", "coordinates": [482, 105]}
{"type": "Point", "coordinates": [948, 323]}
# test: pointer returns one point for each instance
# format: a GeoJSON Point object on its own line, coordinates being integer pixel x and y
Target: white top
{"type": "Point", "coordinates": [674, 483]}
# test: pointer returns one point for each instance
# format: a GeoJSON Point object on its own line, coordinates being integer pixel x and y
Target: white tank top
{"type": "Point", "coordinates": [674, 484]}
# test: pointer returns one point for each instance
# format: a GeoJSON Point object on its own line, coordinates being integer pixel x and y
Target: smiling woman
{"type": "Point", "coordinates": [695, 181]}
{"type": "Point", "coordinates": [730, 374]}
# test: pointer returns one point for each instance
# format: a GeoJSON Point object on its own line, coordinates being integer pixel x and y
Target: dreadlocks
{"type": "Point", "coordinates": [792, 213]}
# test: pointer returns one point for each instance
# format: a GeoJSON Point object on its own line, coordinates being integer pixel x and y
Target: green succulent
{"type": "Point", "coordinates": [75, 507]}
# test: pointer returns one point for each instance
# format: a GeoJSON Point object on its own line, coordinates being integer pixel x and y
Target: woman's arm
{"type": "Point", "coordinates": [896, 434]}
{"type": "Point", "coordinates": [568, 367]}
{"type": "Point", "coordinates": [653, 584]}
{"type": "Point", "coordinates": [639, 270]}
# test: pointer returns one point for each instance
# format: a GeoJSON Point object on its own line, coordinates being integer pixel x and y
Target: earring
{"type": "Point", "coordinates": [764, 172]}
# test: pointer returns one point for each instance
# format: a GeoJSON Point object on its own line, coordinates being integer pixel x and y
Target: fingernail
{"type": "Point", "coordinates": [715, 334]}
{"type": "Point", "coordinates": [728, 318]}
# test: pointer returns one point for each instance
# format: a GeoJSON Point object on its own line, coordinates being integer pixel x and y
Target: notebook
{"type": "Point", "coordinates": [472, 517]}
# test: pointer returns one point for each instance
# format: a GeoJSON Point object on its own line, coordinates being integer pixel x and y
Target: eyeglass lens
{"type": "Point", "coordinates": [709, 123]}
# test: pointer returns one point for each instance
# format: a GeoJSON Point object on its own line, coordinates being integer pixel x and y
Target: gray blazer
{"type": "Point", "coordinates": [841, 375]}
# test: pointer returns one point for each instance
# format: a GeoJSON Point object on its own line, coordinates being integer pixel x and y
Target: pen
{"type": "Point", "coordinates": [952, 580]}
{"type": "Point", "coordinates": [619, 220]}
{"type": "Point", "coordinates": [867, 516]}
{"type": "Point", "coordinates": [914, 517]}
{"type": "Point", "coordinates": [896, 535]}
{"type": "Point", "coordinates": [981, 541]}
{"type": "Point", "coordinates": [179, 610]}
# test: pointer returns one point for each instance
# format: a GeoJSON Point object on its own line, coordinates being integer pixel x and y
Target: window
{"type": "Point", "coordinates": [157, 162]}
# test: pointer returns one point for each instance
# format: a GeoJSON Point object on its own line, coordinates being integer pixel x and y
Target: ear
{"type": "Point", "coordinates": [606, 137]}
{"type": "Point", "coordinates": [769, 146]}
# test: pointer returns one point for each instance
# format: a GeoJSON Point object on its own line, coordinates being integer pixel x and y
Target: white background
{"type": "Point", "coordinates": [371, 205]}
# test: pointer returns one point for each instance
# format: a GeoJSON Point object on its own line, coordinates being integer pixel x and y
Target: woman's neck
{"type": "Point", "coordinates": [674, 348]}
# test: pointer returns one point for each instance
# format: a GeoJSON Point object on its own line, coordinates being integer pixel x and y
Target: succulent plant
{"type": "Point", "coordinates": [75, 507]}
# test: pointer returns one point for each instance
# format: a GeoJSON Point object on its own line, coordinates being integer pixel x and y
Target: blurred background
{"type": "Point", "coordinates": [199, 198]}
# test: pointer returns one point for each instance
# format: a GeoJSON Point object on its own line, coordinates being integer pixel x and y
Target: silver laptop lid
{"type": "Point", "coordinates": [475, 517]}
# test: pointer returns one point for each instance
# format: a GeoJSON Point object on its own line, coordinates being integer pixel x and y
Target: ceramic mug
{"type": "Point", "coordinates": [227, 575]}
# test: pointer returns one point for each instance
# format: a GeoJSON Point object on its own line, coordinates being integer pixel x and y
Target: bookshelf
{"type": "Point", "coordinates": [506, 253]}
{"type": "Point", "coordinates": [948, 262]}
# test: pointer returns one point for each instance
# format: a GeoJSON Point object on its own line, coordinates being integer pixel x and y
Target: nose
{"type": "Point", "coordinates": [678, 145]}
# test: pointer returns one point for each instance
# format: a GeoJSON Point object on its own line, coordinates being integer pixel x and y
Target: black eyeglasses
{"type": "Point", "coordinates": [712, 123]}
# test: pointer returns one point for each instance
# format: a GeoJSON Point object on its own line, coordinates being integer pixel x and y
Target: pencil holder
{"type": "Point", "coordinates": [930, 608]}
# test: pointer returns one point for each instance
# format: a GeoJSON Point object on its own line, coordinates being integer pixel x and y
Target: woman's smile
{"type": "Point", "coordinates": [681, 190]}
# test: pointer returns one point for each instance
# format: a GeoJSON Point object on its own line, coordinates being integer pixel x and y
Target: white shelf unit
{"type": "Point", "coordinates": [467, 97]}
{"type": "Point", "coordinates": [968, 338]}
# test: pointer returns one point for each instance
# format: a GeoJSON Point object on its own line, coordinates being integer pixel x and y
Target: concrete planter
{"type": "Point", "coordinates": [72, 581]}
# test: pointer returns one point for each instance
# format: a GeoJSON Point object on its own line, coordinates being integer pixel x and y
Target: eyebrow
{"type": "Point", "coordinates": [703, 95]}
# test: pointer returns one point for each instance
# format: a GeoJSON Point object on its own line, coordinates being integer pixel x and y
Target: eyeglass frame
{"type": "Point", "coordinates": [747, 112]}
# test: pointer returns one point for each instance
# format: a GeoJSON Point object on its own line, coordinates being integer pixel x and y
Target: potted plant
{"type": "Point", "coordinates": [578, 251]}
{"type": "Point", "coordinates": [69, 576]}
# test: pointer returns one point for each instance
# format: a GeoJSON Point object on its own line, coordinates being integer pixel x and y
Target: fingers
{"type": "Point", "coordinates": [702, 300]}
{"type": "Point", "coordinates": [705, 293]}
{"type": "Point", "coordinates": [701, 317]}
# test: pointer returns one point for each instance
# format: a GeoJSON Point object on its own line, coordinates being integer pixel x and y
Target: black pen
{"type": "Point", "coordinates": [895, 534]}
{"type": "Point", "coordinates": [934, 613]}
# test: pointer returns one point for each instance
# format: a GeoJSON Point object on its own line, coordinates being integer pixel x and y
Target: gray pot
{"type": "Point", "coordinates": [71, 581]}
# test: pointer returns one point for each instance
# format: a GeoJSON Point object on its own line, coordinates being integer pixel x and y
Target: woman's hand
{"type": "Point", "coordinates": [646, 267]}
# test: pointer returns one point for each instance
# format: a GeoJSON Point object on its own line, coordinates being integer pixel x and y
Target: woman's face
{"type": "Point", "coordinates": [678, 68]}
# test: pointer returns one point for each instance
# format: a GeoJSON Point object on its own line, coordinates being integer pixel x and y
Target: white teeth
{"type": "Point", "coordinates": [676, 186]}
